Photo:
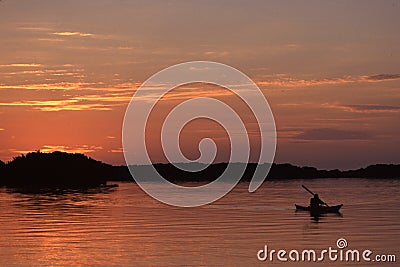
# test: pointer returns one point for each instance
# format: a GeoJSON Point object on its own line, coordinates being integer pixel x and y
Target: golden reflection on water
{"type": "Point", "coordinates": [124, 227]}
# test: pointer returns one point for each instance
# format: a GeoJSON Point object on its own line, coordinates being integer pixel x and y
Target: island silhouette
{"type": "Point", "coordinates": [37, 169]}
{"type": "Point", "coordinates": [62, 169]}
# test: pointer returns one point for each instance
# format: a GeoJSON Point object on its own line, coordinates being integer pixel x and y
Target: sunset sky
{"type": "Point", "coordinates": [329, 69]}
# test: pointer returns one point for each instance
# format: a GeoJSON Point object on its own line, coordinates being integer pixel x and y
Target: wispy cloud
{"type": "Point", "coordinates": [57, 32]}
{"type": "Point", "coordinates": [100, 96]}
{"type": "Point", "coordinates": [283, 80]}
{"type": "Point", "coordinates": [74, 107]}
{"type": "Point", "coordinates": [381, 77]}
{"type": "Point", "coordinates": [59, 105]}
{"type": "Point", "coordinates": [372, 108]}
{"type": "Point", "coordinates": [93, 96]}
{"type": "Point", "coordinates": [37, 29]}
{"type": "Point", "coordinates": [100, 102]}
{"type": "Point", "coordinates": [331, 134]}
{"type": "Point", "coordinates": [25, 65]}
{"type": "Point", "coordinates": [188, 94]}
{"type": "Point", "coordinates": [55, 86]}
{"type": "Point", "coordinates": [69, 149]}
{"type": "Point", "coordinates": [46, 72]}
{"type": "Point", "coordinates": [68, 33]}
{"type": "Point", "coordinates": [216, 53]}
{"type": "Point", "coordinates": [74, 149]}
{"type": "Point", "coordinates": [127, 48]}
{"type": "Point", "coordinates": [116, 98]}
{"type": "Point", "coordinates": [365, 108]}
{"type": "Point", "coordinates": [117, 150]}
{"type": "Point", "coordinates": [51, 39]}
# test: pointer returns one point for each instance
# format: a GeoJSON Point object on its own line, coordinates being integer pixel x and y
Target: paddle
{"type": "Point", "coordinates": [312, 193]}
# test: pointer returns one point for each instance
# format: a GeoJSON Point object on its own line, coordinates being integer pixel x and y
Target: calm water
{"type": "Point", "coordinates": [124, 227]}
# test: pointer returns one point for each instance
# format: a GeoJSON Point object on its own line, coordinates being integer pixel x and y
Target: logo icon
{"type": "Point", "coordinates": [157, 86]}
{"type": "Point", "coordinates": [341, 243]}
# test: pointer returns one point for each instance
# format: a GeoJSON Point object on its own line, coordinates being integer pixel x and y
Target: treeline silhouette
{"type": "Point", "coordinates": [277, 171]}
{"type": "Point", "coordinates": [37, 169]}
{"type": "Point", "coordinates": [57, 168]}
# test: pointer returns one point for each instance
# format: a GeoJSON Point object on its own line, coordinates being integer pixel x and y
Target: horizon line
{"type": "Point", "coordinates": [214, 163]}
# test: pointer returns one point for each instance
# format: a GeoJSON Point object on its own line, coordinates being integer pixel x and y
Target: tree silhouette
{"type": "Point", "coordinates": [56, 168]}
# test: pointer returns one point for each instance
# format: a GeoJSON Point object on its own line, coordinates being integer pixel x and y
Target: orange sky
{"type": "Point", "coordinates": [330, 71]}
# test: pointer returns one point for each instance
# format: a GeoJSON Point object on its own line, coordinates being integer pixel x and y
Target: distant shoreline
{"type": "Point", "coordinates": [67, 169]}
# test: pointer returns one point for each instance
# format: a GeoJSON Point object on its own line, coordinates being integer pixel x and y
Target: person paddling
{"type": "Point", "coordinates": [315, 202]}
{"type": "Point", "coordinates": [317, 206]}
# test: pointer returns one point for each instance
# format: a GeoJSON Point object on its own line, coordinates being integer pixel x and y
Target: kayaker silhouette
{"type": "Point", "coordinates": [317, 206]}
{"type": "Point", "coordinates": [315, 202]}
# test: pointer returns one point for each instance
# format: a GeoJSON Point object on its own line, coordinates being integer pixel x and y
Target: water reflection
{"type": "Point", "coordinates": [122, 226]}
{"type": "Point", "coordinates": [58, 198]}
{"type": "Point", "coordinates": [108, 188]}
{"type": "Point", "coordinates": [319, 217]}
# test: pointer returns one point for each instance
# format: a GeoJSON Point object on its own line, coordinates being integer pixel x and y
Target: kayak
{"type": "Point", "coordinates": [320, 209]}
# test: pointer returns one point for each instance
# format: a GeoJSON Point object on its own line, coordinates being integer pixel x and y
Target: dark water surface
{"type": "Point", "coordinates": [124, 227]}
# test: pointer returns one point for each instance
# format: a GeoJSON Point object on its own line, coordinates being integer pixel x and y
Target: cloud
{"type": "Point", "coordinates": [59, 105]}
{"type": "Point", "coordinates": [51, 39]}
{"type": "Point", "coordinates": [118, 150]}
{"type": "Point", "coordinates": [75, 149]}
{"type": "Point", "coordinates": [372, 108]}
{"type": "Point", "coordinates": [35, 65]}
{"type": "Point", "coordinates": [101, 102]}
{"type": "Point", "coordinates": [79, 34]}
{"type": "Point", "coordinates": [382, 77]}
{"type": "Point", "coordinates": [330, 134]}
{"type": "Point", "coordinates": [216, 53]}
{"type": "Point", "coordinates": [46, 72]}
{"type": "Point", "coordinates": [75, 107]}
{"type": "Point", "coordinates": [43, 33]}
{"type": "Point", "coordinates": [70, 149]}
{"type": "Point", "coordinates": [124, 48]}
{"type": "Point", "coordinates": [283, 80]}
{"type": "Point", "coordinates": [36, 29]}
{"type": "Point", "coordinates": [365, 108]}
{"type": "Point", "coordinates": [55, 86]}
{"type": "Point", "coordinates": [98, 96]}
